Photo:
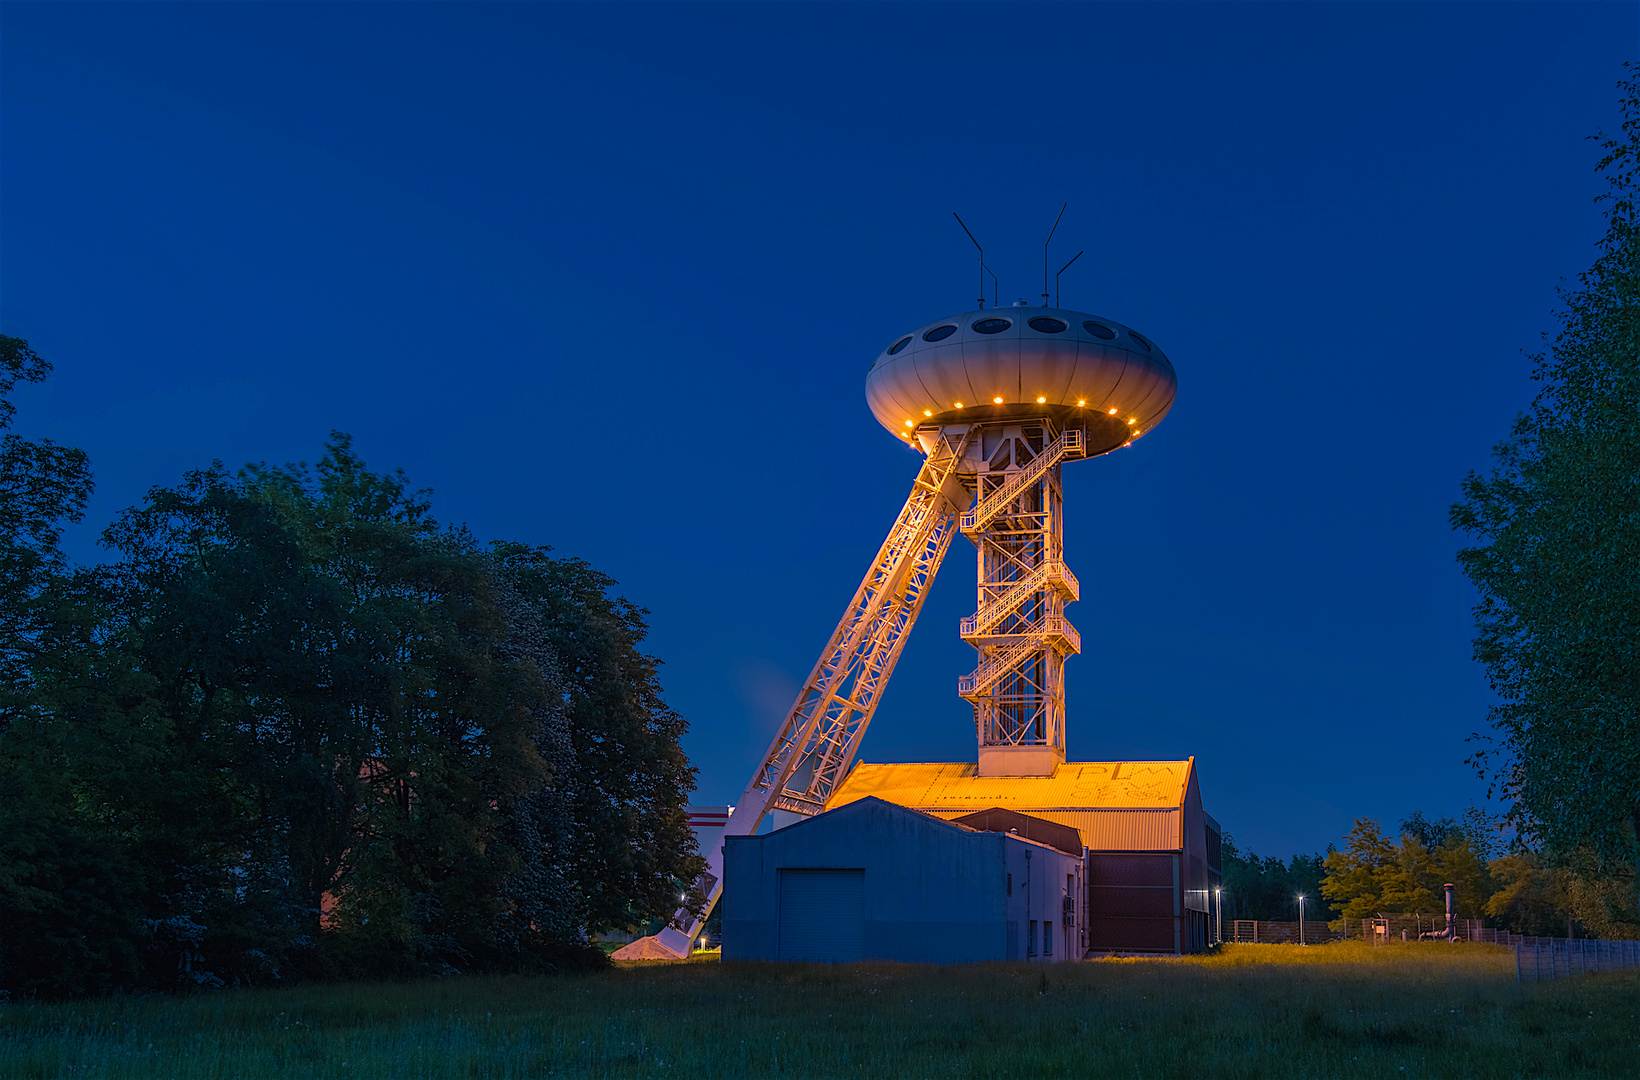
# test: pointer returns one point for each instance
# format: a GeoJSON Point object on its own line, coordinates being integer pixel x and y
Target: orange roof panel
{"type": "Point", "coordinates": [1114, 805]}
{"type": "Point", "coordinates": [1080, 785]}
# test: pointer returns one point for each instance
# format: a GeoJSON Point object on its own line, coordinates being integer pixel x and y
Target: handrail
{"type": "Point", "coordinates": [1052, 572]}
{"type": "Point", "coordinates": [1069, 442]}
{"type": "Point", "coordinates": [997, 665]}
{"type": "Point", "coordinates": [1050, 632]}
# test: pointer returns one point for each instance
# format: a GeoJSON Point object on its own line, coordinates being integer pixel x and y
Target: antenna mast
{"type": "Point", "coordinates": [1045, 244]}
{"type": "Point", "coordinates": [1062, 269]}
{"type": "Point", "coordinates": [983, 269]}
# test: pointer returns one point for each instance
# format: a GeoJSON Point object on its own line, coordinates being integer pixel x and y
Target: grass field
{"type": "Point", "coordinates": [1343, 1010]}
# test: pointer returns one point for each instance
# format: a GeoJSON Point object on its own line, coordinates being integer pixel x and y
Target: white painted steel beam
{"type": "Point", "coordinates": [817, 739]}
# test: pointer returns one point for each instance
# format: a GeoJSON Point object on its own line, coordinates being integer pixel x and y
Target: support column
{"type": "Point", "coordinates": [1019, 627]}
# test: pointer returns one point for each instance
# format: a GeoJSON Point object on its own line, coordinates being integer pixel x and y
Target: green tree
{"type": "Point", "coordinates": [297, 728]}
{"type": "Point", "coordinates": [43, 486]}
{"type": "Point", "coordinates": [384, 715]}
{"type": "Point", "coordinates": [1558, 519]}
{"type": "Point", "coordinates": [75, 901]}
{"type": "Point", "coordinates": [1267, 888]}
{"type": "Point", "coordinates": [1531, 897]}
{"type": "Point", "coordinates": [1374, 874]}
{"type": "Point", "coordinates": [1406, 882]}
{"type": "Point", "coordinates": [1355, 875]}
{"type": "Point", "coordinates": [71, 915]}
{"type": "Point", "coordinates": [1599, 895]}
{"type": "Point", "coordinates": [633, 848]}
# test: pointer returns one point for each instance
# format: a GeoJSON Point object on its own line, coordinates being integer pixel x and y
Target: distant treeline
{"type": "Point", "coordinates": [297, 729]}
{"type": "Point", "coordinates": [1267, 888]}
{"type": "Point", "coordinates": [1520, 890]}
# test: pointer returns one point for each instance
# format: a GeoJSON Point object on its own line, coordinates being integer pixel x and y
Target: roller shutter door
{"type": "Point", "coordinates": [822, 915]}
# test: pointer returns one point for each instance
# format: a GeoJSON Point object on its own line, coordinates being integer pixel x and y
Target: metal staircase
{"type": "Point", "coordinates": [1069, 444]}
{"type": "Point", "coordinates": [1054, 632]}
{"type": "Point", "coordinates": [1053, 574]}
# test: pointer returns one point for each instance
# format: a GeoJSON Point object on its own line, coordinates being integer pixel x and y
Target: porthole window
{"type": "Point", "coordinates": [940, 333]}
{"type": "Point", "coordinates": [992, 326]}
{"type": "Point", "coordinates": [898, 345]}
{"type": "Point", "coordinates": [1140, 340]}
{"type": "Point", "coordinates": [1099, 330]}
{"type": "Point", "coordinates": [1047, 325]}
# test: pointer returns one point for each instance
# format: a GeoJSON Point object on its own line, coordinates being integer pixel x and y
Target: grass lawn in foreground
{"type": "Point", "coordinates": [1342, 1010]}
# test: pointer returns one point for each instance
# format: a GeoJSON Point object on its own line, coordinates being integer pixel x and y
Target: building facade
{"type": "Point", "coordinates": [872, 880]}
{"type": "Point", "coordinates": [1152, 866]}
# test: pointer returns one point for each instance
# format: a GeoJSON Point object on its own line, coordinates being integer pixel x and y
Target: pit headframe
{"type": "Point", "coordinates": [995, 401]}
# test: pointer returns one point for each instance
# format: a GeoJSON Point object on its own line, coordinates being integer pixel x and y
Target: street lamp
{"type": "Point", "coordinates": [1301, 918]}
{"type": "Point", "coordinates": [1218, 914]}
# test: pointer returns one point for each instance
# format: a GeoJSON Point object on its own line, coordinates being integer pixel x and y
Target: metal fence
{"type": "Point", "coordinates": [1265, 931]}
{"type": "Point", "coordinates": [1540, 958]}
{"type": "Point", "coordinates": [1397, 927]}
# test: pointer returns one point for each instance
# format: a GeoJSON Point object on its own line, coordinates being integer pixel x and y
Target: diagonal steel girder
{"type": "Point", "coordinates": [824, 727]}
{"type": "Point", "coordinates": [819, 735]}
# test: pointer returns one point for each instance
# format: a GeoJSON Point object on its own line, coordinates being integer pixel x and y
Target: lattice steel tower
{"type": "Point", "coordinates": [1019, 625]}
{"type": "Point", "coordinates": [996, 402]}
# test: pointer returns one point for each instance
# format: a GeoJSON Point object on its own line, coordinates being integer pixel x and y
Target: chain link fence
{"type": "Point", "coordinates": [1275, 932]}
{"type": "Point", "coordinates": [1538, 959]}
{"type": "Point", "coordinates": [1396, 927]}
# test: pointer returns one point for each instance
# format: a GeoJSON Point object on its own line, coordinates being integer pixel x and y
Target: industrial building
{"type": "Point", "coordinates": [1135, 867]}
{"type": "Point", "coordinates": [913, 861]}
{"type": "Point", "coordinates": [1152, 863]}
{"type": "Point", "coordinates": [875, 881]}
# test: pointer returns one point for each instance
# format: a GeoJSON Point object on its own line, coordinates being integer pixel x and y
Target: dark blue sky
{"type": "Point", "coordinates": [609, 278]}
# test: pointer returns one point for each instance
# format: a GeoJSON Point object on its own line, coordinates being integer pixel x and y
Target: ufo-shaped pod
{"type": "Point", "coordinates": [899, 387]}
{"type": "Point", "coordinates": [1136, 382]}
{"type": "Point", "coordinates": [942, 376]}
{"type": "Point", "coordinates": [1146, 390]}
{"type": "Point", "coordinates": [1080, 367]}
{"type": "Point", "coordinates": [1100, 370]}
{"type": "Point", "coordinates": [991, 357]}
{"type": "Point", "coordinates": [1048, 352]}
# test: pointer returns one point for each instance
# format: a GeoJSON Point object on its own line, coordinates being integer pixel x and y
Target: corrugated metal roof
{"type": "Point", "coordinates": [1120, 785]}
{"type": "Point", "coordinates": [1124, 830]}
{"type": "Point", "coordinates": [1114, 805]}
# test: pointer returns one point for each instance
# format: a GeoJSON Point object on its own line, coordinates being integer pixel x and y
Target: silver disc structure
{"type": "Point", "coordinates": [996, 401]}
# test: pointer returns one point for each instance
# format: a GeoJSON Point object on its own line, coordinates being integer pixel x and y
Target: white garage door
{"type": "Point", "coordinates": [822, 915]}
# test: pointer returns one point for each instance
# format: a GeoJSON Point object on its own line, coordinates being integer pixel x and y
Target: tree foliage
{"type": "Point", "coordinates": [632, 844]}
{"type": "Point", "coordinates": [1558, 520]}
{"type": "Point", "coordinates": [1265, 887]}
{"type": "Point", "coordinates": [1375, 874]}
{"type": "Point", "coordinates": [43, 486]}
{"type": "Point", "coordinates": [296, 728]}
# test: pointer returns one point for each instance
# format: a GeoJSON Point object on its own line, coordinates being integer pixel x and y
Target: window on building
{"type": "Point", "coordinates": [1047, 938]}
{"type": "Point", "coordinates": [1030, 942]}
{"type": "Point", "coordinates": [1010, 884]}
